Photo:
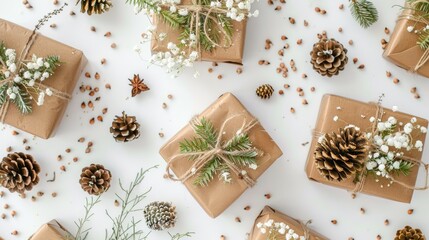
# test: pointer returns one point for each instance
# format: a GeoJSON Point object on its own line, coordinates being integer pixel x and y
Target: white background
{"type": "Point", "coordinates": [291, 192]}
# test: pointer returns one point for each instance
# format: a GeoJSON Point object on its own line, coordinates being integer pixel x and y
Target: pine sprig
{"type": "Point", "coordinates": [207, 173]}
{"type": "Point", "coordinates": [364, 12]}
{"type": "Point", "coordinates": [3, 94]}
{"type": "Point", "coordinates": [405, 168]}
{"type": "Point", "coordinates": [423, 40]}
{"type": "Point", "coordinates": [23, 101]}
{"type": "Point", "coordinates": [124, 226]}
{"type": "Point", "coordinates": [422, 6]}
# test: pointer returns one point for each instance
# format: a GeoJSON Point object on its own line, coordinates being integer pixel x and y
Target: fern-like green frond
{"type": "Point", "coordinates": [422, 6]}
{"type": "Point", "coordinates": [205, 130]}
{"type": "Point", "coordinates": [242, 142]}
{"type": "Point", "coordinates": [423, 41]}
{"type": "Point", "coordinates": [207, 173]}
{"type": "Point", "coordinates": [23, 101]}
{"type": "Point", "coordinates": [364, 12]}
{"type": "Point", "coordinates": [174, 20]}
{"type": "Point", "coordinates": [3, 94]}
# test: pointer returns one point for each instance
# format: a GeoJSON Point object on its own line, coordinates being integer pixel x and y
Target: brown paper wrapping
{"type": "Point", "coordinates": [218, 196]}
{"type": "Point", "coordinates": [270, 213]}
{"type": "Point", "coordinates": [51, 231]}
{"type": "Point", "coordinates": [233, 54]}
{"type": "Point", "coordinates": [402, 48]}
{"type": "Point", "coordinates": [44, 119]}
{"type": "Point", "coordinates": [351, 112]}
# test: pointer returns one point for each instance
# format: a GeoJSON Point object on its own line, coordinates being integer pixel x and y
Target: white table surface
{"type": "Point", "coordinates": [286, 181]}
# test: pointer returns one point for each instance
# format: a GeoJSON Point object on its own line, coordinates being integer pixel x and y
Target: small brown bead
{"type": "Point", "coordinates": [93, 29]}
{"type": "Point", "coordinates": [247, 208]}
{"type": "Point", "coordinates": [410, 211]}
{"type": "Point", "coordinates": [304, 101]}
{"type": "Point", "coordinates": [267, 196]}
{"type": "Point", "coordinates": [14, 232]}
{"type": "Point", "coordinates": [299, 41]}
{"type": "Point", "coordinates": [305, 23]}
{"type": "Point", "coordinates": [362, 66]}
{"type": "Point", "coordinates": [292, 20]}
{"type": "Point", "coordinates": [413, 90]}
{"type": "Point", "coordinates": [341, 7]}
{"type": "Point", "coordinates": [333, 221]}
{"type": "Point", "coordinates": [350, 42]}
{"type": "Point", "coordinates": [108, 34]}
{"type": "Point", "coordinates": [63, 168]}
{"type": "Point", "coordinates": [113, 45]}
{"type": "Point", "coordinates": [54, 194]}
{"type": "Point", "coordinates": [92, 121]}
{"type": "Point", "coordinates": [317, 9]}
{"type": "Point", "coordinates": [286, 86]}
{"type": "Point", "coordinates": [239, 70]}
{"type": "Point", "coordinates": [278, 8]}
{"type": "Point", "coordinates": [292, 110]}
{"type": "Point", "coordinates": [103, 61]}
{"type": "Point", "coordinates": [388, 74]}
{"type": "Point", "coordinates": [237, 219]}
{"type": "Point", "coordinates": [281, 92]}
{"type": "Point", "coordinates": [355, 60]}
{"type": "Point", "coordinates": [68, 150]}
{"type": "Point", "coordinates": [395, 80]}
{"type": "Point", "coordinates": [82, 139]}
{"type": "Point", "coordinates": [283, 37]}
{"type": "Point", "coordinates": [386, 222]}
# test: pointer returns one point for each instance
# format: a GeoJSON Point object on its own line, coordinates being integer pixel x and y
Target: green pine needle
{"type": "Point", "coordinates": [207, 173]}
{"type": "Point", "coordinates": [420, 6]}
{"type": "Point", "coordinates": [3, 52]}
{"type": "Point", "coordinates": [364, 12]}
{"type": "Point", "coordinates": [3, 94]}
{"type": "Point", "coordinates": [23, 101]}
{"type": "Point", "coordinates": [174, 20]}
{"type": "Point", "coordinates": [405, 168]}
{"type": "Point", "coordinates": [423, 41]}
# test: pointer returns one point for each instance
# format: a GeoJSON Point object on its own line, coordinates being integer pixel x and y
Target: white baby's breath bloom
{"type": "Point", "coordinates": [12, 67]}
{"type": "Point", "coordinates": [423, 129]}
{"type": "Point", "coordinates": [413, 120]}
{"type": "Point", "coordinates": [41, 99]}
{"type": "Point", "coordinates": [253, 166]}
{"type": "Point", "coordinates": [48, 92]}
{"type": "Point", "coordinates": [371, 119]}
{"type": "Point", "coordinates": [335, 118]}
{"type": "Point", "coordinates": [396, 165]}
{"type": "Point", "coordinates": [395, 108]}
{"type": "Point", "coordinates": [183, 11]}
{"type": "Point", "coordinates": [410, 28]}
{"type": "Point", "coordinates": [418, 144]}
{"type": "Point", "coordinates": [384, 148]}
{"type": "Point", "coordinates": [12, 95]}
{"type": "Point", "coordinates": [27, 75]}
{"type": "Point", "coordinates": [31, 83]}
{"type": "Point", "coordinates": [17, 79]}
{"type": "Point", "coordinates": [45, 75]}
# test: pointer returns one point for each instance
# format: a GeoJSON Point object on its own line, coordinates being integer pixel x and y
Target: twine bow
{"type": "Point", "coordinates": [197, 10]}
{"type": "Point", "coordinates": [219, 150]}
{"type": "Point", "coordinates": [420, 19]}
{"type": "Point", "coordinates": [20, 62]}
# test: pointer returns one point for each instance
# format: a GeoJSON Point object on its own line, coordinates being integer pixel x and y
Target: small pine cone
{"type": "Point", "coordinates": [125, 128]}
{"type": "Point", "coordinates": [160, 215]}
{"type": "Point", "coordinates": [265, 91]}
{"type": "Point", "coordinates": [338, 156]}
{"type": "Point", "coordinates": [19, 172]}
{"type": "Point", "coordinates": [328, 57]}
{"type": "Point", "coordinates": [408, 233]}
{"type": "Point", "coordinates": [95, 6]}
{"type": "Point", "coordinates": [95, 179]}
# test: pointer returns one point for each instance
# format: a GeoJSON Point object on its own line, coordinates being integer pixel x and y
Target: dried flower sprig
{"type": "Point", "coordinates": [179, 236]}
{"type": "Point", "coordinates": [124, 225]}
{"type": "Point", "coordinates": [82, 232]}
{"type": "Point", "coordinates": [278, 231]}
{"type": "Point", "coordinates": [48, 16]}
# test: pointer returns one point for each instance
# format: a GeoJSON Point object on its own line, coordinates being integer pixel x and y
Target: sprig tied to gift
{"type": "Point", "coordinates": [351, 152]}
{"type": "Point", "coordinates": [280, 231]}
{"type": "Point", "coordinates": [204, 26]}
{"type": "Point", "coordinates": [420, 14]}
{"type": "Point", "coordinates": [212, 156]}
{"type": "Point", "coordinates": [21, 80]}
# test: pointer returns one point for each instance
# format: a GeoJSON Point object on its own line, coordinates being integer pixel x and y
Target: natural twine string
{"type": "Point", "coordinates": [363, 175]}
{"type": "Point", "coordinates": [420, 19]}
{"type": "Point", "coordinates": [202, 158]}
{"type": "Point", "coordinates": [306, 229]}
{"type": "Point", "coordinates": [20, 62]}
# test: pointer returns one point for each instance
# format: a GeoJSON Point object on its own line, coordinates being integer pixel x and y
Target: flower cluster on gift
{"type": "Point", "coordinates": [19, 80]}
{"type": "Point", "coordinates": [390, 140]}
{"type": "Point", "coordinates": [213, 26]}
{"type": "Point", "coordinates": [278, 231]}
{"type": "Point", "coordinates": [421, 10]}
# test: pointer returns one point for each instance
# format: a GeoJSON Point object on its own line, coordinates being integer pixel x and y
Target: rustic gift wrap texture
{"type": "Point", "coordinates": [44, 119]}
{"type": "Point", "coordinates": [269, 213]}
{"type": "Point", "coordinates": [358, 114]}
{"type": "Point", "coordinates": [402, 48]}
{"type": "Point", "coordinates": [218, 196]}
{"type": "Point", "coordinates": [232, 54]}
{"type": "Point", "coordinates": [51, 231]}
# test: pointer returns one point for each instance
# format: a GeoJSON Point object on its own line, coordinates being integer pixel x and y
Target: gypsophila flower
{"type": "Point", "coordinates": [278, 230]}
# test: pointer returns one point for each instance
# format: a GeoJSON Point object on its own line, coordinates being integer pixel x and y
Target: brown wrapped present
{"type": "Point", "coordinates": [232, 54]}
{"type": "Point", "coordinates": [217, 195]}
{"type": "Point", "coordinates": [299, 227]}
{"type": "Point", "coordinates": [43, 120]}
{"type": "Point", "coordinates": [336, 112]}
{"type": "Point", "coordinates": [52, 231]}
{"type": "Point", "coordinates": [402, 48]}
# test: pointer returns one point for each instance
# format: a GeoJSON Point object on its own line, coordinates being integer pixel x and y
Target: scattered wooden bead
{"type": "Point", "coordinates": [292, 20]}
{"type": "Point", "coordinates": [395, 80]}
{"type": "Point", "coordinates": [93, 29]}
{"type": "Point", "coordinates": [386, 222]}
{"type": "Point", "coordinates": [267, 196]}
{"type": "Point", "coordinates": [388, 74]}
{"type": "Point", "coordinates": [113, 45]}
{"type": "Point", "coordinates": [237, 219]}
{"type": "Point", "coordinates": [108, 34]}
{"type": "Point", "coordinates": [333, 221]}
{"type": "Point", "coordinates": [410, 211]}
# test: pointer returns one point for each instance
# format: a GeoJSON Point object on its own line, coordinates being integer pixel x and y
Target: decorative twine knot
{"type": "Point", "coordinates": [202, 158]}
{"type": "Point", "coordinates": [19, 63]}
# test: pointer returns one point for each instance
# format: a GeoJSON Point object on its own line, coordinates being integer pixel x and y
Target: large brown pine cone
{"type": "Point", "coordinates": [328, 57]}
{"type": "Point", "coordinates": [125, 128]}
{"type": "Point", "coordinates": [95, 6]}
{"type": "Point", "coordinates": [95, 179]}
{"type": "Point", "coordinates": [408, 233]}
{"type": "Point", "coordinates": [338, 156]}
{"type": "Point", "coordinates": [19, 172]}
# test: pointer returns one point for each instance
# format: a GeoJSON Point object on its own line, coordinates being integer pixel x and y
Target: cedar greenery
{"type": "Point", "coordinates": [183, 23]}
{"type": "Point", "coordinates": [206, 140]}
{"type": "Point", "coordinates": [364, 12]}
{"type": "Point", "coordinates": [422, 7]}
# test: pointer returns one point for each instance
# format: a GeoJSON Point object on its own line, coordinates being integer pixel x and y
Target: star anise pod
{"type": "Point", "coordinates": [138, 85]}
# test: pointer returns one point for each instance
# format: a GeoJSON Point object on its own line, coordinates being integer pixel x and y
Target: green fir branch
{"type": "Point", "coordinates": [179, 236]}
{"type": "Point", "coordinates": [242, 142]}
{"type": "Point", "coordinates": [82, 232]}
{"type": "Point", "coordinates": [364, 12]}
{"type": "Point", "coordinates": [422, 6]}
{"type": "Point", "coordinates": [124, 226]}
{"type": "Point", "coordinates": [404, 168]}
{"type": "Point", "coordinates": [205, 130]}
{"type": "Point", "coordinates": [3, 94]}
{"type": "Point", "coordinates": [3, 54]}
{"type": "Point", "coordinates": [174, 20]}
{"type": "Point", "coordinates": [22, 101]}
{"type": "Point", "coordinates": [423, 40]}
{"type": "Point", "coordinates": [207, 173]}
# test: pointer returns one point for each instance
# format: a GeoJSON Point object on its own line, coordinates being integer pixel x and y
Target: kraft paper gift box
{"type": "Point", "coordinates": [358, 113]}
{"type": "Point", "coordinates": [43, 120]}
{"type": "Point", "coordinates": [51, 231]}
{"type": "Point", "coordinates": [232, 54]}
{"type": "Point", "coordinates": [297, 226]}
{"type": "Point", "coordinates": [218, 196]}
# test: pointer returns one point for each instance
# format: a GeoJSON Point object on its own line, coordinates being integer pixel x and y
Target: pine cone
{"type": "Point", "coordinates": [95, 179]}
{"type": "Point", "coordinates": [265, 91]}
{"type": "Point", "coordinates": [19, 172]}
{"type": "Point", "coordinates": [408, 233]}
{"type": "Point", "coordinates": [328, 57]}
{"type": "Point", "coordinates": [95, 6]}
{"type": "Point", "coordinates": [338, 156]}
{"type": "Point", "coordinates": [160, 215]}
{"type": "Point", "coordinates": [125, 128]}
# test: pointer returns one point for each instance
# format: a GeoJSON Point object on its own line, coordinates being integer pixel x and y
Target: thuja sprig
{"type": "Point", "coordinates": [82, 232]}
{"type": "Point", "coordinates": [125, 226]}
{"type": "Point", "coordinates": [205, 140]}
{"type": "Point", "coordinates": [179, 236]}
{"type": "Point", "coordinates": [364, 12]}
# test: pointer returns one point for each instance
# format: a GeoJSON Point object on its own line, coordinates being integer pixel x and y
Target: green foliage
{"type": "Point", "coordinates": [124, 225]}
{"type": "Point", "coordinates": [82, 232]}
{"type": "Point", "coordinates": [405, 168]}
{"type": "Point", "coordinates": [422, 6]}
{"type": "Point", "coordinates": [2, 53]}
{"type": "Point", "coordinates": [174, 20]}
{"type": "Point", "coordinates": [244, 154]}
{"type": "Point", "coordinates": [364, 12]}
{"type": "Point", "coordinates": [3, 94]}
{"type": "Point", "coordinates": [423, 40]}
{"type": "Point", "coordinates": [22, 101]}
